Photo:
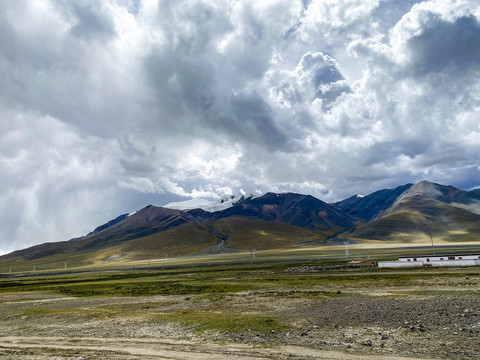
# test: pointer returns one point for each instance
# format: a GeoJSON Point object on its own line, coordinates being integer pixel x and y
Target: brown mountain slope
{"type": "Point", "coordinates": [150, 220]}
{"type": "Point", "coordinates": [294, 209]}
{"type": "Point", "coordinates": [269, 221]}
{"type": "Point", "coordinates": [426, 208]}
{"type": "Point", "coordinates": [145, 222]}
{"type": "Point", "coordinates": [242, 233]}
{"type": "Point", "coordinates": [154, 231]}
{"type": "Point", "coordinates": [181, 240]}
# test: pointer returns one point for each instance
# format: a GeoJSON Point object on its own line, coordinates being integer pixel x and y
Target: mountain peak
{"type": "Point", "coordinates": [369, 207]}
{"type": "Point", "coordinates": [287, 219]}
{"type": "Point", "coordinates": [430, 190]}
{"type": "Point", "coordinates": [425, 188]}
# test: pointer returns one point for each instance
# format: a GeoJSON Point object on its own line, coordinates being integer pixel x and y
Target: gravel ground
{"type": "Point", "coordinates": [373, 323]}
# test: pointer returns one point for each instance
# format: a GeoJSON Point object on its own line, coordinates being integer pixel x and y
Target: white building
{"type": "Point", "coordinates": [441, 260]}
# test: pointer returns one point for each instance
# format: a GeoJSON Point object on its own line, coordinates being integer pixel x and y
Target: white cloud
{"type": "Point", "coordinates": [107, 106]}
{"type": "Point", "coordinates": [331, 15]}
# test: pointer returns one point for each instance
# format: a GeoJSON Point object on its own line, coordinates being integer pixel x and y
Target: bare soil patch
{"type": "Point", "coordinates": [282, 314]}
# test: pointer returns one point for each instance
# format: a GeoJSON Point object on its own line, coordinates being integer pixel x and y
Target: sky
{"type": "Point", "coordinates": [109, 106]}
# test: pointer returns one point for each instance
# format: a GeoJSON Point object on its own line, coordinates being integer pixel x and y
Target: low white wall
{"type": "Point", "coordinates": [444, 257]}
{"type": "Point", "coordinates": [455, 263]}
{"type": "Point", "coordinates": [403, 264]}
{"type": "Point", "coordinates": [399, 264]}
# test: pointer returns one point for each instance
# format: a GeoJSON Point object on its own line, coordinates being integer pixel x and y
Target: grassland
{"type": "Point", "coordinates": [229, 279]}
{"type": "Point", "coordinates": [115, 259]}
{"type": "Point", "coordinates": [280, 304]}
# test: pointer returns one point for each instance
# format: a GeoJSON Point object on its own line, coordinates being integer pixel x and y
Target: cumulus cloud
{"type": "Point", "coordinates": [109, 106]}
{"type": "Point", "coordinates": [316, 77]}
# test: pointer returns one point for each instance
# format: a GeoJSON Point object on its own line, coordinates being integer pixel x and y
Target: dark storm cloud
{"type": "Point", "coordinates": [467, 178]}
{"type": "Point", "coordinates": [52, 72]}
{"type": "Point", "coordinates": [383, 152]}
{"type": "Point", "coordinates": [190, 81]}
{"type": "Point", "coordinates": [327, 75]}
{"type": "Point", "coordinates": [186, 89]}
{"type": "Point", "coordinates": [253, 120]}
{"type": "Point", "coordinates": [444, 46]}
{"type": "Point", "coordinates": [89, 21]}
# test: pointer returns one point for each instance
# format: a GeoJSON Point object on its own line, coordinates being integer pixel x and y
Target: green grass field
{"type": "Point", "coordinates": [216, 281]}
{"type": "Point", "coordinates": [87, 262]}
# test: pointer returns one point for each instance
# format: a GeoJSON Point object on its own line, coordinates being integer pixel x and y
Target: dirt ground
{"type": "Point", "coordinates": [437, 318]}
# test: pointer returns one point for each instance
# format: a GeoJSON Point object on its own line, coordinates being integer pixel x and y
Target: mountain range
{"type": "Point", "coordinates": [407, 213]}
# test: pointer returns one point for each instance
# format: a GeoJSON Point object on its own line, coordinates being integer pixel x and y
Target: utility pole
{"type": "Point", "coordinates": [431, 239]}
{"type": "Point", "coordinates": [346, 249]}
{"type": "Point", "coordinates": [253, 253]}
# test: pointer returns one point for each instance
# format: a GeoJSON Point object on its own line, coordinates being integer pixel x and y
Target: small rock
{"type": "Point", "coordinates": [384, 337]}
{"type": "Point", "coordinates": [79, 358]}
{"type": "Point", "coordinates": [455, 333]}
{"type": "Point", "coordinates": [367, 342]}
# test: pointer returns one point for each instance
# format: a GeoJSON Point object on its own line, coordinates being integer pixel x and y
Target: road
{"type": "Point", "coordinates": [121, 348]}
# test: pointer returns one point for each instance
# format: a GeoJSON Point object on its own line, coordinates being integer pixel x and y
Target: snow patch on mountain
{"type": "Point", "coordinates": [188, 204]}
{"type": "Point", "coordinates": [207, 205]}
